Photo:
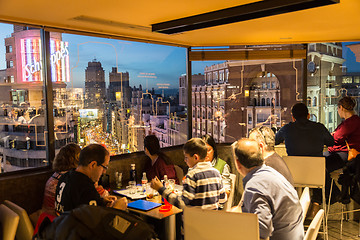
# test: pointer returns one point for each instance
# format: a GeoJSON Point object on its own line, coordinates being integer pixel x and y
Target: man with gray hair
{"type": "Point", "coordinates": [265, 137]}
{"type": "Point", "coordinates": [268, 194]}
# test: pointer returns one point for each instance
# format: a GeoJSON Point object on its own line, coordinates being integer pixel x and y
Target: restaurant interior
{"type": "Point", "coordinates": [207, 31]}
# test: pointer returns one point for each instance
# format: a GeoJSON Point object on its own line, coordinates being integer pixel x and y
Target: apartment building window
{"type": "Point", "coordinates": [8, 49]}
{"type": "Point", "coordinates": [314, 104]}
{"type": "Point", "coordinates": [9, 64]}
{"type": "Point", "coordinates": [347, 80]}
{"type": "Point", "coordinates": [330, 117]}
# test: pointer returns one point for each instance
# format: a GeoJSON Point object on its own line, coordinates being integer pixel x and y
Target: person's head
{"type": "Point", "coordinates": [151, 145]}
{"type": "Point", "coordinates": [67, 158]}
{"type": "Point", "coordinates": [300, 111]}
{"type": "Point", "coordinates": [346, 105]}
{"type": "Point", "coordinates": [265, 137]}
{"type": "Point", "coordinates": [95, 158]}
{"type": "Point", "coordinates": [195, 151]}
{"type": "Point", "coordinates": [211, 147]}
{"type": "Point", "coordinates": [247, 155]}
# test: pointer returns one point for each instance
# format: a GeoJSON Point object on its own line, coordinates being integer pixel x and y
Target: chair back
{"type": "Point", "coordinates": [201, 224]}
{"type": "Point", "coordinates": [179, 173]}
{"type": "Point", "coordinates": [228, 204]}
{"type": "Point", "coordinates": [9, 221]}
{"type": "Point", "coordinates": [313, 230]}
{"type": "Point", "coordinates": [25, 229]}
{"type": "Point", "coordinates": [305, 201]}
{"type": "Point", "coordinates": [307, 171]}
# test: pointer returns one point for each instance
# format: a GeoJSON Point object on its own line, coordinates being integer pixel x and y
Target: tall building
{"type": "Point", "coordinates": [23, 144]}
{"type": "Point", "coordinates": [197, 79]}
{"type": "Point", "coordinates": [24, 76]}
{"type": "Point", "coordinates": [240, 95]}
{"type": "Point", "coordinates": [324, 82]}
{"type": "Point", "coordinates": [351, 87]}
{"type": "Point", "coordinates": [95, 90]}
{"type": "Point", "coordinates": [119, 89]}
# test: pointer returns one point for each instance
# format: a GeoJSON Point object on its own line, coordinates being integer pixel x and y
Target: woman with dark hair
{"type": "Point", "coordinates": [218, 163]}
{"type": "Point", "coordinates": [66, 159]}
{"type": "Point", "coordinates": [346, 135]}
{"type": "Point", "coordinates": [160, 165]}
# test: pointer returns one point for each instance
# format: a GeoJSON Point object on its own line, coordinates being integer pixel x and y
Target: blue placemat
{"type": "Point", "coordinates": [143, 205]}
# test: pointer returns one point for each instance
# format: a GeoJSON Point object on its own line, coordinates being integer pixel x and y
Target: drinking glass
{"type": "Point", "coordinates": [132, 187]}
{"type": "Point", "coordinates": [118, 178]}
{"type": "Point", "coordinates": [172, 184]}
{"type": "Point", "coordinates": [149, 192]}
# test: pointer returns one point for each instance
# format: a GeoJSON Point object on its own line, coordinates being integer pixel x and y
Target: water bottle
{"type": "Point", "coordinates": [166, 182]}
{"type": "Point", "coordinates": [144, 182]}
{"type": "Point", "coordinates": [133, 173]}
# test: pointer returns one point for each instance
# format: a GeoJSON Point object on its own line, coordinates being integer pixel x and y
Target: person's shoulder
{"type": "Point", "coordinates": [354, 118]}
{"type": "Point", "coordinates": [319, 125]}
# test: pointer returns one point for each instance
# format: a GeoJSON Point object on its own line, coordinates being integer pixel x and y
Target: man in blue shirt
{"type": "Point", "coordinates": [268, 194]}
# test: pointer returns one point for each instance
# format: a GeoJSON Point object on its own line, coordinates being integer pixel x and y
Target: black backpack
{"type": "Point", "coordinates": [95, 222]}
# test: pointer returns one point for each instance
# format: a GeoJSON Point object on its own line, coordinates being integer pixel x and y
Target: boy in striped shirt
{"type": "Point", "coordinates": [202, 186]}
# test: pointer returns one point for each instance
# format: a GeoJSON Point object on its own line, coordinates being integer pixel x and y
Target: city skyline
{"type": "Point", "coordinates": [167, 63]}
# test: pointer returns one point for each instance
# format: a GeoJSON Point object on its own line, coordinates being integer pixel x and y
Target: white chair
{"type": "Point", "coordinates": [228, 204]}
{"type": "Point", "coordinates": [305, 201]}
{"type": "Point", "coordinates": [25, 229]}
{"type": "Point", "coordinates": [201, 224]}
{"type": "Point", "coordinates": [309, 172]}
{"type": "Point", "coordinates": [9, 221]}
{"type": "Point", "coordinates": [314, 227]}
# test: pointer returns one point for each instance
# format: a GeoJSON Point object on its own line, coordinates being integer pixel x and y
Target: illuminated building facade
{"type": "Point", "coordinates": [351, 87]}
{"type": "Point", "coordinates": [119, 89]}
{"type": "Point", "coordinates": [240, 95]}
{"type": "Point", "coordinates": [95, 91]}
{"type": "Point", "coordinates": [23, 65]}
{"type": "Point", "coordinates": [22, 144]}
{"type": "Point", "coordinates": [197, 79]}
{"type": "Point", "coordinates": [324, 82]}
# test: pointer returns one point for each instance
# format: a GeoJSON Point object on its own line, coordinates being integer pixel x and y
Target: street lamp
{"type": "Point", "coordinates": [218, 116]}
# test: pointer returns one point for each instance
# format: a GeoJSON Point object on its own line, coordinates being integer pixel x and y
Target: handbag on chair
{"type": "Point", "coordinates": [352, 152]}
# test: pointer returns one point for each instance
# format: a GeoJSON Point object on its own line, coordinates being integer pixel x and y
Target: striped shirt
{"type": "Point", "coordinates": [202, 188]}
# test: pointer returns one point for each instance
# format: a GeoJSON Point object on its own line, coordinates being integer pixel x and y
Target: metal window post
{"type": "Point", "coordinates": [189, 92]}
{"type": "Point", "coordinates": [48, 96]}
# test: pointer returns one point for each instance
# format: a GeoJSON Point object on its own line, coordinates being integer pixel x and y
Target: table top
{"type": "Point", "coordinates": [155, 213]}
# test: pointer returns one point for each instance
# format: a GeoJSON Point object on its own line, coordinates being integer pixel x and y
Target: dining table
{"type": "Point", "coordinates": [168, 217]}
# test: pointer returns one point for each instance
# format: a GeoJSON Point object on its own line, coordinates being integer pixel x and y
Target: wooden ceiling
{"type": "Point", "coordinates": [132, 20]}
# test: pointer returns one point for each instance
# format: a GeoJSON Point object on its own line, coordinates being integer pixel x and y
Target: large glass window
{"type": "Point", "coordinates": [116, 92]}
{"type": "Point", "coordinates": [22, 112]}
{"type": "Point", "coordinates": [105, 91]}
{"type": "Point", "coordinates": [259, 92]}
{"type": "Point", "coordinates": [262, 91]}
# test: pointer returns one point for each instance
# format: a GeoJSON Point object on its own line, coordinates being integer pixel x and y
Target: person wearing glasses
{"type": "Point", "coordinates": [265, 137]}
{"type": "Point", "coordinates": [76, 187]}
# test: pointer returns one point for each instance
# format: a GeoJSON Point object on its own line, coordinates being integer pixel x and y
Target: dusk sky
{"type": "Point", "coordinates": [165, 62]}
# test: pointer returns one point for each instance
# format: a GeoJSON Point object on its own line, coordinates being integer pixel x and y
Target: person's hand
{"type": "Point", "coordinates": [156, 184]}
{"type": "Point", "coordinates": [109, 200]}
{"type": "Point", "coordinates": [121, 203]}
